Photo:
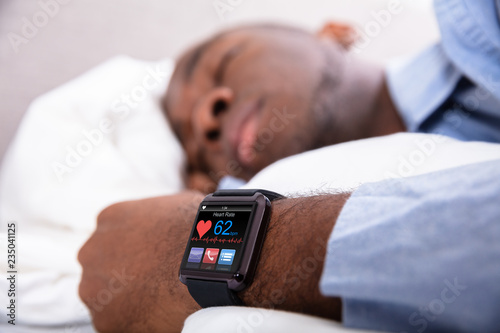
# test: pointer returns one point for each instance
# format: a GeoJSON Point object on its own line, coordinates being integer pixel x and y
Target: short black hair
{"type": "Point", "coordinates": [194, 58]}
{"type": "Point", "coordinates": [195, 54]}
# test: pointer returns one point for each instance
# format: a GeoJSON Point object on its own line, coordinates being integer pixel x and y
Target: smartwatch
{"type": "Point", "coordinates": [224, 245]}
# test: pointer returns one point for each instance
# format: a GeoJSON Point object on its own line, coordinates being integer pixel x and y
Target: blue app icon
{"type": "Point", "coordinates": [226, 257]}
{"type": "Point", "coordinates": [195, 254]}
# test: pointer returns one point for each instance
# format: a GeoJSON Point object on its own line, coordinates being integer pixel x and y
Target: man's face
{"type": "Point", "coordinates": [243, 100]}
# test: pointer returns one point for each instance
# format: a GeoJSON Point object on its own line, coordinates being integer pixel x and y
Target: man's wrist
{"type": "Point", "coordinates": [292, 257]}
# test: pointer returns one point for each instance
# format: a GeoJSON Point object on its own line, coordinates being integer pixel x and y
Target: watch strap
{"type": "Point", "coordinates": [212, 293]}
{"type": "Point", "coordinates": [247, 193]}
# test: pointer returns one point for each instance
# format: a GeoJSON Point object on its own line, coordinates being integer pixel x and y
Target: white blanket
{"type": "Point", "coordinates": [66, 164]}
{"type": "Point", "coordinates": [345, 166]}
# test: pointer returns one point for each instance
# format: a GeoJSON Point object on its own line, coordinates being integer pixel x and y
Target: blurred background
{"type": "Point", "coordinates": [44, 43]}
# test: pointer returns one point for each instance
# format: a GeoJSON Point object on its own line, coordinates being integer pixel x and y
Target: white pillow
{"type": "Point", "coordinates": [343, 167]}
{"type": "Point", "coordinates": [66, 164]}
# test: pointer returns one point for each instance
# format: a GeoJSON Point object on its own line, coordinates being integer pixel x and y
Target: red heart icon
{"type": "Point", "coordinates": [203, 227]}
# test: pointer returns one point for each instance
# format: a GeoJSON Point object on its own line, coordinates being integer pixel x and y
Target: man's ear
{"type": "Point", "coordinates": [341, 33]}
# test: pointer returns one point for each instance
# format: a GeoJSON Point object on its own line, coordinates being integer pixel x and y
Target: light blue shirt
{"type": "Point", "coordinates": [423, 254]}
{"type": "Point", "coordinates": [453, 88]}
{"type": "Point", "coordinates": [420, 254]}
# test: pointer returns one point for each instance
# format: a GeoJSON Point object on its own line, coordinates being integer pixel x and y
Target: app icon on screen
{"type": "Point", "coordinates": [226, 257]}
{"type": "Point", "coordinates": [210, 256]}
{"type": "Point", "coordinates": [195, 254]}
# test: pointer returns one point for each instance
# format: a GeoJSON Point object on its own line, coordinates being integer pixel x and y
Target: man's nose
{"type": "Point", "coordinates": [208, 114]}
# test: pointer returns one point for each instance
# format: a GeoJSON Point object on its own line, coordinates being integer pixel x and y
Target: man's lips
{"type": "Point", "coordinates": [243, 132]}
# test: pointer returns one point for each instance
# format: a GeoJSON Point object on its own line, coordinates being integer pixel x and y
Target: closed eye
{"type": "Point", "coordinates": [225, 60]}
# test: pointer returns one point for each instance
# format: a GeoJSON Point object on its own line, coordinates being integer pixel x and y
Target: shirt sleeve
{"type": "Point", "coordinates": [420, 254]}
{"type": "Point", "coordinates": [427, 89]}
{"type": "Point", "coordinates": [470, 36]}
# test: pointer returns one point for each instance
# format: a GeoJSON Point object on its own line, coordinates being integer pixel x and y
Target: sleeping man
{"type": "Point", "coordinates": [413, 254]}
{"type": "Point", "coordinates": [251, 96]}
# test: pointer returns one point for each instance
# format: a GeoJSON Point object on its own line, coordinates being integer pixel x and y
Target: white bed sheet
{"type": "Point", "coordinates": [343, 167]}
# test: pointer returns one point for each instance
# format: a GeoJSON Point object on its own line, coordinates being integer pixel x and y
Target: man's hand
{"type": "Point", "coordinates": [130, 279]}
{"type": "Point", "coordinates": [131, 263]}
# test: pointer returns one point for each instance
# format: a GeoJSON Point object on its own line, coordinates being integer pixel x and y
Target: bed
{"type": "Point", "coordinates": [82, 147]}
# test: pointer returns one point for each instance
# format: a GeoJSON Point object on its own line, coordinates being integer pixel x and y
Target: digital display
{"type": "Point", "coordinates": [216, 243]}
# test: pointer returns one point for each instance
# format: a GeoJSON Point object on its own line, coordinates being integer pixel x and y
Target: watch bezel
{"type": "Point", "coordinates": [254, 239]}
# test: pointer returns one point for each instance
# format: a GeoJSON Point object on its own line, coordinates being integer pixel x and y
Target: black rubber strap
{"type": "Point", "coordinates": [217, 293]}
{"type": "Point", "coordinates": [247, 193]}
{"type": "Point", "coordinates": [212, 293]}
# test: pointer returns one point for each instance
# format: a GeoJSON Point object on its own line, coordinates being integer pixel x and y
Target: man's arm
{"type": "Point", "coordinates": [131, 263]}
{"type": "Point", "coordinates": [404, 255]}
{"type": "Point", "coordinates": [293, 255]}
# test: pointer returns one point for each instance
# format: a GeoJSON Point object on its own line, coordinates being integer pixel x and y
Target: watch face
{"type": "Point", "coordinates": [217, 241]}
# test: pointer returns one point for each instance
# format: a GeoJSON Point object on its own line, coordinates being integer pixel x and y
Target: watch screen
{"type": "Point", "coordinates": [216, 243]}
